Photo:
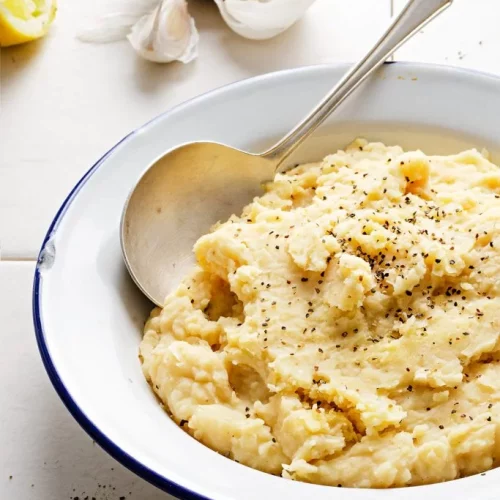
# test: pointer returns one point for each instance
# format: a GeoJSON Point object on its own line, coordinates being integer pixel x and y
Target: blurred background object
{"type": "Point", "coordinates": [25, 20]}
{"type": "Point", "coordinates": [163, 30]}
{"type": "Point", "coordinates": [260, 20]}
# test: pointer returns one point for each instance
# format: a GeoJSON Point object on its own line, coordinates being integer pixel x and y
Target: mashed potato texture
{"type": "Point", "coordinates": [345, 329]}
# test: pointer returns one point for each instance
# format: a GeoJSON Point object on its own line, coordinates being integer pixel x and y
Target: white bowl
{"type": "Point", "coordinates": [88, 315]}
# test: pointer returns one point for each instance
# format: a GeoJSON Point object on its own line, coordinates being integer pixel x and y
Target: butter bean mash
{"type": "Point", "coordinates": [344, 330]}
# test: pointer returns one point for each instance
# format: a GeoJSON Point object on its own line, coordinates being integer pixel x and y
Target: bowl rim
{"type": "Point", "coordinates": [78, 414]}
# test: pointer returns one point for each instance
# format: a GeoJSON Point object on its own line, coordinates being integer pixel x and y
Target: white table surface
{"type": "Point", "coordinates": [63, 104]}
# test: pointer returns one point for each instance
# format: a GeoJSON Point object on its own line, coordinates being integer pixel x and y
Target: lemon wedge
{"type": "Point", "coordinates": [25, 20]}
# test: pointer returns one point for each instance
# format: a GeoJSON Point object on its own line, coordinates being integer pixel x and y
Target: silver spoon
{"type": "Point", "coordinates": [181, 195]}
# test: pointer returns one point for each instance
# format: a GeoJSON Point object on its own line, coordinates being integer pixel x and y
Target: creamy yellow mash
{"type": "Point", "coordinates": [345, 329]}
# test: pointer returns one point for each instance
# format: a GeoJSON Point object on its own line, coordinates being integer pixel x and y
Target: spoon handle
{"type": "Point", "coordinates": [415, 15]}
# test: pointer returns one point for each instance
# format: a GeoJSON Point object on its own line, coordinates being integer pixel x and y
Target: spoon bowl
{"type": "Point", "coordinates": [184, 193]}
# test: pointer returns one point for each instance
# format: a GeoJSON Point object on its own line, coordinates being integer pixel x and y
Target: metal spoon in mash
{"type": "Point", "coordinates": [194, 185]}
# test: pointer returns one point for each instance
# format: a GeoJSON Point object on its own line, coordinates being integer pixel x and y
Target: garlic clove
{"type": "Point", "coordinates": [167, 34]}
{"type": "Point", "coordinates": [261, 19]}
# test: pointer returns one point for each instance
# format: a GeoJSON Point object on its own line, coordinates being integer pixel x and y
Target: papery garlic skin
{"type": "Point", "coordinates": [116, 22]}
{"type": "Point", "coordinates": [167, 34]}
{"type": "Point", "coordinates": [260, 20]}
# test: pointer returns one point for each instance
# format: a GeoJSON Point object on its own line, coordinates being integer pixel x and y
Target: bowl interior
{"type": "Point", "coordinates": [89, 315]}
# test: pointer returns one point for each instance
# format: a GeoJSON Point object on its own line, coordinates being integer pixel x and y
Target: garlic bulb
{"type": "Point", "coordinates": [166, 34]}
{"type": "Point", "coordinates": [261, 19]}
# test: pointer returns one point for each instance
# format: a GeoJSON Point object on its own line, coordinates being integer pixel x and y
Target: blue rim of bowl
{"type": "Point", "coordinates": [99, 437]}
